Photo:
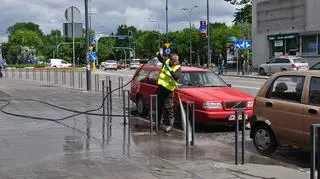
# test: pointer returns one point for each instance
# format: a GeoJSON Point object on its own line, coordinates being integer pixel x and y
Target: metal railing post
{"type": "Point", "coordinates": [49, 76]}
{"type": "Point", "coordinates": [13, 74]}
{"type": "Point", "coordinates": [79, 81]}
{"type": "Point", "coordinates": [187, 125]}
{"type": "Point", "coordinates": [243, 134]}
{"type": "Point", "coordinates": [157, 117]}
{"type": "Point", "coordinates": [120, 82]}
{"type": "Point", "coordinates": [70, 74]}
{"type": "Point", "coordinates": [124, 108]}
{"type": "Point", "coordinates": [96, 82]}
{"type": "Point", "coordinates": [193, 125]}
{"type": "Point", "coordinates": [103, 111]}
{"type": "Point", "coordinates": [27, 74]}
{"type": "Point", "coordinates": [156, 113]}
{"type": "Point", "coordinates": [129, 117]}
{"type": "Point", "coordinates": [110, 106]}
{"type": "Point", "coordinates": [313, 152]}
{"type": "Point", "coordinates": [20, 74]}
{"type": "Point", "coordinates": [34, 75]}
{"type": "Point", "coordinates": [236, 138]}
{"type": "Point", "coordinates": [108, 112]}
{"type": "Point", "coordinates": [73, 85]}
{"type": "Point", "coordinates": [41, 75]}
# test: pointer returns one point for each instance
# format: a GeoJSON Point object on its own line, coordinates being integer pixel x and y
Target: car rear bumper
{"type": "Point", "coordinates": [218, 118]}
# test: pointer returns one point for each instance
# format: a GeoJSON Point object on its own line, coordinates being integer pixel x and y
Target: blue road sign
{"type": "Point", "coordinates": [243, 44]}
{"type": "Point", "coordinates": [168, 51]}
{"type": "Point", "coordinates": [121, 38]}
{"type": "Point", "coordinates": [93, 56]}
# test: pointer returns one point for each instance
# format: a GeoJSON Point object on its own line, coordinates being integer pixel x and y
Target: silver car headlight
{"type": "Point", "coordinates": [212, 105]}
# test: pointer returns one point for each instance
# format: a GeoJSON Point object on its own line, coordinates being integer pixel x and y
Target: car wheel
{"type": "Point", "coordinates": [262, 72]}
{"type": "Point", "coordinates": [264, 140]}
{"type": "Point", "coordinates": [141, 107]}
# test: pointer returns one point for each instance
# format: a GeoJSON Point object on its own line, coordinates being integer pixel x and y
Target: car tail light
{"type": "Point", "coordinates": [293, 66]}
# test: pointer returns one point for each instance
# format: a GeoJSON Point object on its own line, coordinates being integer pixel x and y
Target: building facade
{"type": "Point", "coordinates": [281, 27]}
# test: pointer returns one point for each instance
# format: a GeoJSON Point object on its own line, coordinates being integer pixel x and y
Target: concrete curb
{"type": "Point", "coordinates": [246, 76]}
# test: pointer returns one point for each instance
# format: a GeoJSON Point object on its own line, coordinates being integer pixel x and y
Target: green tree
{"type": "Point", "coordinates": [25, 26]}
{"type": "Point", "coordinates": [244, 14]}
{"type": "Point", "coordinates": [105, 51]}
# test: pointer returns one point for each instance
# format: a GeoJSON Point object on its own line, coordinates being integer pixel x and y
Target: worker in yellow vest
{"type": "Point", "coordinates": [168, 82]}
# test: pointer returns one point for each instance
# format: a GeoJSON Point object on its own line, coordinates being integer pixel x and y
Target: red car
{"type": "Point", "coordinates": [215, 100]}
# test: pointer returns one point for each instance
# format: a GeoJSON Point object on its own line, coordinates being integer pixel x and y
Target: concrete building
{"type": "Point", "coordinates": [282, 27]}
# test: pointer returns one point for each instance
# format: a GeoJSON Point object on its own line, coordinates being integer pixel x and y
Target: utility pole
{"type": "Point", "coordinates": [167, 19]}
{"type": "Point", "coordinates": [88, 69]}
{"type": "Point", "coordinates": [208, 32]}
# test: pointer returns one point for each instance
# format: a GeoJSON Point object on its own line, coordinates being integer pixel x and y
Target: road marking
{"type": "Point", "coordinates": [246, 87]}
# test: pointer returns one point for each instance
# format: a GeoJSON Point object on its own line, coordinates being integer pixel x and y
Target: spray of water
{"type": "Point", "coordinates": [184, 123]}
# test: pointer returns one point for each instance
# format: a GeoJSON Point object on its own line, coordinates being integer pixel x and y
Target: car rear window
{"type": "Point", "coordinates": [299, 60]}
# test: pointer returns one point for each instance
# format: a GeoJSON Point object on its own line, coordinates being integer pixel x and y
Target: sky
{"type": "Point", "coordinates": [109, 14]}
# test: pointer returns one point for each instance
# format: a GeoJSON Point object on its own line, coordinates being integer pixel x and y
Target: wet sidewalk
{"type": "Point", "coordinates": [74, 148]}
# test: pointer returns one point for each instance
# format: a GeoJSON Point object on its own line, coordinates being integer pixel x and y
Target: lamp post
{"type": "Point", "coordinates": [190, 34]}
{"type": "Point", "coordinates": [158, 28]}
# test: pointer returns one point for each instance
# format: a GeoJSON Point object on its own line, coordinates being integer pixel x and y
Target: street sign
{"type": "Point", "coordinates": [72, 14]}
{"type": "Point", "coordinates": [168, 51]}
{"type": "Point", "coordinates": [203, 28]}
{"type": "Point", "coordinates": [243, 44]}
{"type": "Point", "coordinates": [167, 45]}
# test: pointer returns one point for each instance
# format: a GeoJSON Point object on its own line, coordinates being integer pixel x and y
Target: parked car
{"type": "Point", "coordinates": [109, 65]}
{"type": "Point", "coordinates": [283, 63]}
{"type": "Point", "coordinates": [135, 64]}
{"type": "Point", "coordinates": [315, 66]}
{"type": "Point", "coordinates": [285, 107]}
{"type": "Point", "coordinates": [58, 63]}
{"type": "Point", "coordinates": [215, 100]}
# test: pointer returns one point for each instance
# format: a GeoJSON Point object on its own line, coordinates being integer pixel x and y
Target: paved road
{"type": "Point", "coordinates": [74, 148]}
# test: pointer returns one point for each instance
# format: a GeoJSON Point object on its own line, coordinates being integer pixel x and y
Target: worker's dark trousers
{"type": "Point", "coordinates": [165, 106]}
{"type": "Point", "coordinates": [1, 75]}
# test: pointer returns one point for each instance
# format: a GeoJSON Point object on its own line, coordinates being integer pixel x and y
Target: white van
{"type": "Point", "coordinates": [134, 64]}
{"type": "Point", "coordinates": [58, 63]}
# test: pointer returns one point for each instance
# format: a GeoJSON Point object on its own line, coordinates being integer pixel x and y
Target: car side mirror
{"type": "Point", "coordinates": [229, 85]}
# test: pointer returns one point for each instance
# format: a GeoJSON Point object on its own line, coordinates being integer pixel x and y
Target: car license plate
{"type": "Point", "coordinates": [233, 117]}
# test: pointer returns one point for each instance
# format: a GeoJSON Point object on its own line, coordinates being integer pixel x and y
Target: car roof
{"type": "Point", "coordinates": [303, 73]}
{"type": "Point", "coordinates": [289, 57]}
{"type": "Point", "coordinates": [183, 68]}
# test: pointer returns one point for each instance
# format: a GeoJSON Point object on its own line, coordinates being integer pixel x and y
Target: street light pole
{"type": "Point", "coordinates": [208, 32]}
{"type": "Point", "coordinates": [190, 33]}
{"type": "Point", "coordinates": [167, 19]}
{"type": "Point", "coordinates": [88, 69]}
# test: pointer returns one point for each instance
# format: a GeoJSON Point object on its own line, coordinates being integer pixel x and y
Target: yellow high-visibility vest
{"type": "Point", "coordinates": [165, 77]}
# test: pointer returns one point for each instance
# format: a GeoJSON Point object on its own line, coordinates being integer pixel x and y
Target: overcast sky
{"type": "Point", "coordinates": [49, 14]}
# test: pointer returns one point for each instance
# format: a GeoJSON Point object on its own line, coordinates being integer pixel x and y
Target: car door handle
{"type": "Point", "coordinates": [269, 104]}
{"type": "Point", "coordinates": [313, 111]}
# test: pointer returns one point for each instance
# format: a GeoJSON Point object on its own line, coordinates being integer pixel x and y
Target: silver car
{"type": "Point", "coordinates": [283, 63]}
{"type": "Point", "coordinates": [109, 65]}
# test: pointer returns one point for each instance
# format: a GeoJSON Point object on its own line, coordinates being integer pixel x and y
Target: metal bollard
{"type": "Point", "coordinates": [27, 74]}
{"type": "Point", "coordinates": [6, 73]}
{"type": "Point", "coordinates": [103, 111]}
{"type": "Point", "coordinates": [129, 117]}
{"type": "Point", "coordinates": [243, 115]}
{"type": "Point", "coordinates": [96, 77]}
{"type": "Point", "coordinates": [55, 76]}
{"type": "Point", "coordinates": [81, 86]}
{"type": "Point", "coordinates": [120, 82]}
{"type": "Point", "coordinates": [70, 75]}
{"type": "Point", "coordinates": [64, 80]}
{"type": "Point", "coordinates": [49, 76]}
{"type": "Point", "coordinates": [314, 164]}
{"type": "Point", "coordinates": [34, 75]}
{"type": "Point", "coordinates": [13, 74]}
{"type": "Point", "coordinates": [187, 126]}
{"type": "Point", "coordinates": [193, 129]}
{"type": "Point", "coordinates": [124, 107]}
{"type": "Point", "coordinates": [110, 102]}
{"type": "Point", "coordinates": [41, 75]}
{"type": "Point", "coordinates": [73, 85]}
{"type": "Point", "coordinates": [79, 80]}
{"type": "Point", "coordinates": [108, 112]}
{"type": "Point", "coordinates": [20, 74]}
{"type": "Point", "coordinates": [151, 113]}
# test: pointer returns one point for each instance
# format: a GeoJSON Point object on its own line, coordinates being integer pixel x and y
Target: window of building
{"type": "Point", "coordinates": [314, 93]}
{"type": "Point", "coordinates": [309, 45]}
{"type": "Point", "coordinates": [286, 44]}
{"type": "Point", "coordinates": [287, 88]}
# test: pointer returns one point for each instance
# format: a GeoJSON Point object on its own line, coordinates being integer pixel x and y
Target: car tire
{"type": "Point", "coordinates": [262, 72]}
{"type": "Point", "coordinates": [140, 106]}
{"type": "Point", "coordinates": [264, 140]}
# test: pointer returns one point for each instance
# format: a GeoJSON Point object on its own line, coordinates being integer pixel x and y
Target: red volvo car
{"type": "Point", "coordinates": [215, 100]}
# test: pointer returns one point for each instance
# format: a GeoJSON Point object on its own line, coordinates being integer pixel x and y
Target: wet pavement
{"type": "Point", "coordinates": [74, 148]}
